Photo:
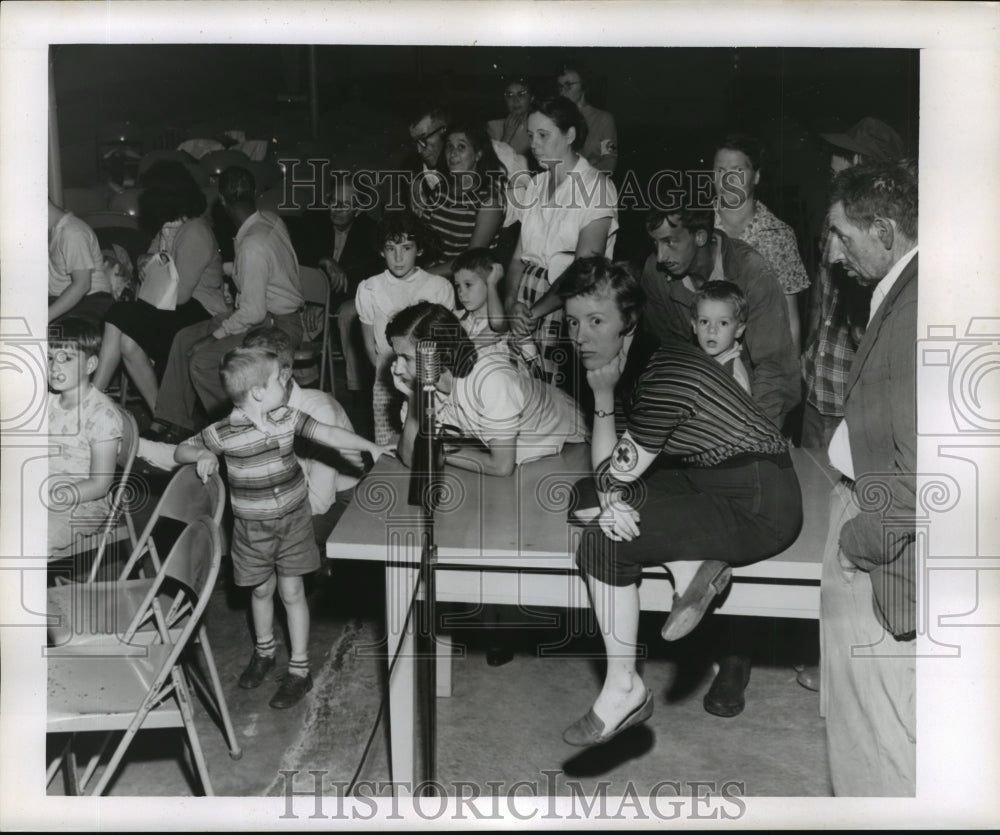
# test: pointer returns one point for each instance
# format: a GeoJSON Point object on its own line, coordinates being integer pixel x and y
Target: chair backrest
{"type": "Point", "coordinates": [215, 162]}
{"type": "Point", "coordinates": [267, 174]}
{"type": "Point", "coordinates": [184, 500]}
{"type": "Point", "coordinates": [106, 219]}
{"type": "Point", "coordinates": [125, 201]}
{"type": "Point", "coordinates": [193, 567]}
{"type": "Point", "coordinates": [122, 489]}
{"type": "Point", "coordinates": [315, 286]}
{"type": "Point", "coordinates": [164, 155]}
{"type": "Point", "coordinates": [80, 201]}
{"type": "Point", "coordinates": [273, 200]}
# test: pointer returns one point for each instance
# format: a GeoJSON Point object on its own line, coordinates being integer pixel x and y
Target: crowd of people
{"type": "Point", "coordinates": [684, 375]}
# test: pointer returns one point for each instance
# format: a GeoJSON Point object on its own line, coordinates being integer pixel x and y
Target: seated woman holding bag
{"type": "Point", "coordinates": [181, 279]}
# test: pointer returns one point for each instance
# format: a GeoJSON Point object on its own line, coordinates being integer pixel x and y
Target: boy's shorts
{"type": "Point", "coordinates": [262, 546]}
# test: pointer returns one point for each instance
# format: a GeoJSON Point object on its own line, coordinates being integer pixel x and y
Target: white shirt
{"type": "Point", "coordinates": [322, 479]}
{"type": "Point", "coordinates": [497, 403]}
{"type": "Point", "coordinates": [885, 285]}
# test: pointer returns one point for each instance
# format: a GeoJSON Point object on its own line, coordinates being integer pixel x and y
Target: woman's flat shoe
{"type": "Point", "coordinates": [711, 580]}
{"type": "Point", "coordinates": [589, 730]}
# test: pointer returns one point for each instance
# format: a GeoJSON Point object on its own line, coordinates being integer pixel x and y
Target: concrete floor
{"type": "Point", "coordinates": [502, 724]}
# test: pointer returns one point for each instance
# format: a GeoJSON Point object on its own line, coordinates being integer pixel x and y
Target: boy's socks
{"type": "Point", "coordinates": [298, 668]}
{"type": "Point", "coordinates": [267, 648]}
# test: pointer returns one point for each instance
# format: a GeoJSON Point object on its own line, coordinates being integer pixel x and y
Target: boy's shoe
{"type": "Point", "coordinates": [291, 691]}
{"type": "Point", "coordinates": [257, 669]}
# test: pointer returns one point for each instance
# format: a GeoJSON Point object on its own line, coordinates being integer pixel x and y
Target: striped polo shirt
{"type": "Point", "coordinates": [454, 216]}
{"type": "Point", "coordinates": [265, 479]}
{"type": "Point", "coordinates": [684, 404]}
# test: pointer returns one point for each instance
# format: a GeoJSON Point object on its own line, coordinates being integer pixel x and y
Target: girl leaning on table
{"type": "Point", "coordinates": [487, 397]}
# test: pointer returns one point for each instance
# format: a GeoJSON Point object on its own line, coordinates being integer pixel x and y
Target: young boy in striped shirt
{"type": "Point", "coordinates": [273, 545]}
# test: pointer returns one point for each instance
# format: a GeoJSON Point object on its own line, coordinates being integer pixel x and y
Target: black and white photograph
{"type": "Point", "coordinates": [524, 415]}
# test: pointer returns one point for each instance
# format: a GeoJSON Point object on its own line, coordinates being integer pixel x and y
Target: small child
{"type": "Point", "coordinates": [476, 275]}
{"type": "Point", "coordinates": [382, 296]}
{"type": "Point", "coordinates": [273, 543]}
{"type": "Point", "coordinates": [718, 319]}
{"type": "Point", "coordinates": [118, 268]}
{"type": "Point", "coordinates": [88, 429]}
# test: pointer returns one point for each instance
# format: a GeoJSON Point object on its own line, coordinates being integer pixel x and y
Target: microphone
{"type": "Point", "coordinates": [427, 450]}
{"type": "Point", "coordinates": [428, 364]}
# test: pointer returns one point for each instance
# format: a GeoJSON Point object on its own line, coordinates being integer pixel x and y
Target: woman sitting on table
{"type": "Point", "coordinates": [687, 471]}
{"type": "Point", "coordinates": [514, 416]}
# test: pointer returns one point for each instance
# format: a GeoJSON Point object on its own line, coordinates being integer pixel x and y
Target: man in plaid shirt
{"type": "Point", "coordinates": [840, 309]}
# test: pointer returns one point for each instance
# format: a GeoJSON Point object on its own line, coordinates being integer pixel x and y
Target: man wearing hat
{"type": "Point", "coordinates": [869, 140]}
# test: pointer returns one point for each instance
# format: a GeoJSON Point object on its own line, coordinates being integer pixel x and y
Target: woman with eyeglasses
{"type": "Point", "coordinates": [514, 129]}
{"type": "Point", "coordinates": [601, 147]}
{"type": "Point", "coordinates": [568, 211]}
{"type": "Point", "coordinates": [469, 211]}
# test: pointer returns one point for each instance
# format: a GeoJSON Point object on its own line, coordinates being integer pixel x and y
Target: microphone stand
{"type": "Point", "coordinates": [423, 491]}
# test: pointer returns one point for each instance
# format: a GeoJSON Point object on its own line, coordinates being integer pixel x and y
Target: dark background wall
{"type": "Point", "coordinates": [667, 101]}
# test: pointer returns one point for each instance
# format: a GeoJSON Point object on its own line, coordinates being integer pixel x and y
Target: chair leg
{"type": "Point", "coordinates": [53, 768]}
{"type": "Point", "coordinates": [183, 696]}
{"type": "Point", "coordinates": [134, 726]}
{"type": "Point", "coordinates": [88, 772]}
{"type": "Point", "coordinates": [235, 751]}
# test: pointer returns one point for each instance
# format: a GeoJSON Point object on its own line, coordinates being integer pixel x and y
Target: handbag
{"type": "Point", "coordinates": [158, 276]}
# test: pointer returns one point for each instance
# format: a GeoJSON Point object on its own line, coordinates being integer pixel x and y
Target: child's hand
{"type": "Point", "coordinates": [206, 466]}
{"type": "Point", "coordinates": [377, 451]}
{"type": "Point", "coordinates": [522, 322]}
{"type": "Point", "coordinates": [399, 383]}
{"type": "Point", "coordinates": [496, 273]}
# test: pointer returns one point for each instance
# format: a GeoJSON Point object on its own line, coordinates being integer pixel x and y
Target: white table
{"type": "Point", "coordinates": [506, 540]}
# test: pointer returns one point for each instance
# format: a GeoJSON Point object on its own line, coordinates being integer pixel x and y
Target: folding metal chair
{"type": "Point", "coordinates": [215, 162]}
{"type": "Point", "coordinates": [83, 616]}
{"type": "Point", "coordinates": [316, 291]}
{"type": "Point", "coordinates": [118, 524]}
{"type": "Point", "coordinates": [145, 688]}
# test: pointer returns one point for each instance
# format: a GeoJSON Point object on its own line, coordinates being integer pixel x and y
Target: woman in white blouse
{"type": "Point", "coordinates": [568, 211]}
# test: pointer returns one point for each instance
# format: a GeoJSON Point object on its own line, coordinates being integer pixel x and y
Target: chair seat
{"type": "Point", "coordinates": [92, 616]}
{"type": "Point", "coordinates": [87, 694]}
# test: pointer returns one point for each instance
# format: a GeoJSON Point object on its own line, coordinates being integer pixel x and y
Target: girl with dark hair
{"type": "Point", "coordinates": [514, 416]}
{"type": "Point", "coordinates": [568, 211]}
{"type": "Point", "coordinates": [469, 212]}
{"type": "Point", "coordinates": [172, 208]}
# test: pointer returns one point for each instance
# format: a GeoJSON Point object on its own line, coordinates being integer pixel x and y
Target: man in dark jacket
{"type": "Point", "coordinates": [868, 592]}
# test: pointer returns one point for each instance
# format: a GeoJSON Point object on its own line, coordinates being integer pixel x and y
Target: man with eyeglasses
{"type": "Point", "coordinates": [428, 132]}
{"type": "Point", "coordinates": [601, 147]}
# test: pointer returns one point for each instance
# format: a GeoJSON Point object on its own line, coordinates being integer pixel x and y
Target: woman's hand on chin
{"type": "Point", "coordinates": [604, 379]}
